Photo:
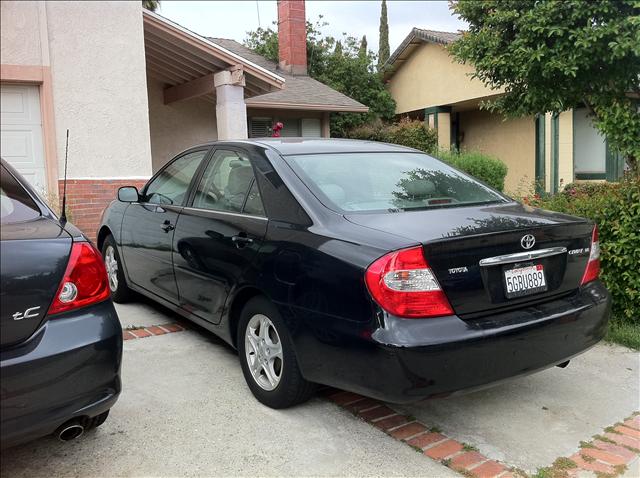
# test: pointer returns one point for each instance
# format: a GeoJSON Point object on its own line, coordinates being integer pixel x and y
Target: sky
{"type": "Point", "coordinates": [232, 19]}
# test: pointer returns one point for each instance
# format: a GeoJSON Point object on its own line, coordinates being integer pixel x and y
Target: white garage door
{"type": "Point", "coordinates": [21, 132]}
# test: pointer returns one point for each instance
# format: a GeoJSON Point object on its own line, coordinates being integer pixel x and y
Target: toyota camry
{"type": "Point", "coordinates": [365, 266]}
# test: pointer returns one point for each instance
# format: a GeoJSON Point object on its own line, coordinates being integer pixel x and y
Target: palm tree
{"type": "Point", "coordinates": [151, 4]}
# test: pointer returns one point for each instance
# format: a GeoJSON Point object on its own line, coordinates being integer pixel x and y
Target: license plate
{"type": "Point", "coordinates": [524, 281]}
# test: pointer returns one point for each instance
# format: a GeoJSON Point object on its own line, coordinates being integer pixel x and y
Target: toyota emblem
{"type": "Point", "coordinates": [528, 241]}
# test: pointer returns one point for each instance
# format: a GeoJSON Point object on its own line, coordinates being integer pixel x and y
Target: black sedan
{"type": "Point", "coordinates": [61, 341]}
{"type": "Point", "coordinates": [369, 267]}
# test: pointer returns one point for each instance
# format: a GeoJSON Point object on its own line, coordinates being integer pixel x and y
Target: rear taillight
{"type": "Point", "coordinates": [85, 280]}
{"type": "Point", "coordinates": [592, 270]}
{"type": "Point", "coordinates": [402, 283]}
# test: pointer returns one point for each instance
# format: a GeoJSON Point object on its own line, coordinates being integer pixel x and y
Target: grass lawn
{"type": "Point", "coordinates": [624, 333]}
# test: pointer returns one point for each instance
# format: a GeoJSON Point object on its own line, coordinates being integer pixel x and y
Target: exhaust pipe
{"type": "Point", "coordinates": [70, 431]}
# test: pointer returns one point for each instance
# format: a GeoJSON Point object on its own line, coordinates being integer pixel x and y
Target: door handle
{"type": "Point", "coordinates": [241, 240]}
{"type": "Point", "coordinates": [167, 226]}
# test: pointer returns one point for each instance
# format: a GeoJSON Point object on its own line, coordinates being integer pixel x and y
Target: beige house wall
{"type": "Point", "coordinates": [430, 77]}
{"type": "Point", "coordinates": [99, 88]}
{"type": "Point", "coordinates": [179, 125]}
{"type": "Point", "coordinates": [23, 40]}
{"type": "Point", "coordinates": [512, 141]}
{"type": "Point", "coordinates": [565, 149]}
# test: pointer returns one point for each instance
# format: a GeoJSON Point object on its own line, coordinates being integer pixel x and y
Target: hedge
{"type": "Point", "coordinates": [490, 170]}
{"type": "Point", "coordinates": [406, 132]}
{"type": "Point", "coordinates": [615, 208]}
{"type": "Point", "coordinates": [415, 134]}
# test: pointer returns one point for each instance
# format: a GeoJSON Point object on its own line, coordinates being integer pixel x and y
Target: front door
{"type": "Point", "coordinates": [148, 226]}
{"type": "Point", "coordinates": [218, 234]}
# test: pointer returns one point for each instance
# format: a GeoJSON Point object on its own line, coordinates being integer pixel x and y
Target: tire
{"type": "Point", "coordinates": [286, 386]}
{"type": "Point", "coordinates": [120, 292]}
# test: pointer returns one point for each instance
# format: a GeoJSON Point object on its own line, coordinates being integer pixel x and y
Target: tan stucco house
{"type": "Point", "coordinates": [134, 89]}
{"type": "Point", "coordinates": [549, 150]}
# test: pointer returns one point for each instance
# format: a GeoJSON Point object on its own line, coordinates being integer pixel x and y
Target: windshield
{"type": "Point", "coordinates": [373, 182]}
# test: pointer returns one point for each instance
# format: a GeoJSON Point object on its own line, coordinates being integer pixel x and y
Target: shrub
{"type": "Point", "coordinates": [415, 134]}
{"type": "Point", "coordinates": [615, 208]}
{"type": "Point", "coordinates": [490, 170]}
{"type": "Point", "coordinates": [406, 132]}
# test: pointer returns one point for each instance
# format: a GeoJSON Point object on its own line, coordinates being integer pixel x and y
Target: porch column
{"type": "Point", "coordinates": [231, 110]}
{"type": "Point", "coordinates": [326, 124]}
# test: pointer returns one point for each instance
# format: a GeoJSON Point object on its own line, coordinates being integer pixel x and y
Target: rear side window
{"type": "Point", "coordinates": [171, 185]}
{"type": "Point", "coordinates": [15, 203]}
{"type": "Point", "coordinates": [377, 182]}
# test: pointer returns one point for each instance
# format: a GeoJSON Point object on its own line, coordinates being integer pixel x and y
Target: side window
{"type": "Point", "coordinates": [225, 185]}
{"type": "Point", "coordinates": [15, 203]}
{"type": "Point", "coordinates": [170, 186]}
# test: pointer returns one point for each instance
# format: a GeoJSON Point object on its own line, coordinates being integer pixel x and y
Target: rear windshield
{"type": "Point", "coordinates": [15, 204]}
{"type": "Point", "coordinates": [375, 182]}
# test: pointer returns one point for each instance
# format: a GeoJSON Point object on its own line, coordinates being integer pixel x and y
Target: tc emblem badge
{"type": "Point", "coordinates": [528, 241]}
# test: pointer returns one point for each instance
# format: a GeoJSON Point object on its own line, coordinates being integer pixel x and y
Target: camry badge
{"type": "Point", "coordinates": [528, 241]}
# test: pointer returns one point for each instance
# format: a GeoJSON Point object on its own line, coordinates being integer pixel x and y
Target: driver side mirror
{"type": "Point", "coordinates": [128, 194]}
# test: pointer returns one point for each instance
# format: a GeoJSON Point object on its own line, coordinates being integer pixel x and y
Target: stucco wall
{"type": "Point", "coordinates": [512, 141]}
{"type": "Point", "coordinates": [430, 77]}
{"type": "Point", "coordinates": [565, 149]}
{"type": "Point", "coordinates": [21, 26]}
{"type": "Point", "coordinates": [179, 125]}
{"type": "Point", "coordinates": [99, 88]}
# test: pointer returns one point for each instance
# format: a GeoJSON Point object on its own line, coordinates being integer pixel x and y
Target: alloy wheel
{"type": "Point", "coordinates": [263, 350]}
{"type": "Point", "coordinates": [111, 264]}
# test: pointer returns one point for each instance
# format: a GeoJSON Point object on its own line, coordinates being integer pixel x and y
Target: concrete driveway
{"type": "Point", "coordinates": [185, 410]}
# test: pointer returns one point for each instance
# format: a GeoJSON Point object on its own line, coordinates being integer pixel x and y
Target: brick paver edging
{"type": "Point", "coordinates": [460, 457]}
{"type": "Point", "coordinates": [607, 455]}
{"type": "Point", "coordinates": [142, 332]}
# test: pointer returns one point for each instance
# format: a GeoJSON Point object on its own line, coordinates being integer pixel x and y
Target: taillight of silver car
{"type": "Point", "coordinates": [85, 280]}
{"type": "Point", "coordinates": [404, 285]}
{"type": "Point", "coordinates": [592, 271]}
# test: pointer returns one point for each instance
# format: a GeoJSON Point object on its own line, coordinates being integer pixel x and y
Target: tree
{"type": "Point", "coordinates": [383, 41]}
{"type": "Point", "coordinates": [339, 64]}
{"type": "Point", "coordinates": [151, 4]}
{"type": "Point", "coordinates": [364, 48]}
{"type": "Point", "coordinates": [550, 56]}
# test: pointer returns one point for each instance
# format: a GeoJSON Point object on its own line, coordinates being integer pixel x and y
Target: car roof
{"type": "Point", "coordinates": [294, 146]}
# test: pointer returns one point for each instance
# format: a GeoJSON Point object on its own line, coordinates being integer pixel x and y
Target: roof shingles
{"type": "Point", "coordinates": [298, 91]}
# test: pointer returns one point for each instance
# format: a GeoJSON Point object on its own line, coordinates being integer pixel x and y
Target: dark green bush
{"type": "Point", "coordinates": [615, 208]}
{"type": "Point", "coordinates": [415, 134]}
{"type": "Point", "coordinates": [406, 132]}
{"type": "Point", "coordinates": [490, 170]}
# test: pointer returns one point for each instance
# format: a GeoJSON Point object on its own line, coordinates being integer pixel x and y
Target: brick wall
{"type": "Point", "coordinates": [292, 34]}
{"type": "Point", "coordinates": [87, 198]}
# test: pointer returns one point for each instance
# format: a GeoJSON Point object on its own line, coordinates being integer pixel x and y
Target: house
{"type": "Point", "coordinates": [134, 89]}
{"type": "Point", "coordinates": [548, 150]}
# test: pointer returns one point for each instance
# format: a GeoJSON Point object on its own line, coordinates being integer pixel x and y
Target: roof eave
{"type": "Point", "coordinates": [307, 106]}
{"type": "Point", "coordinates": [275, 81]}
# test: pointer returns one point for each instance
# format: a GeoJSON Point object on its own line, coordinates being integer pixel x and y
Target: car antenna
{"type": "Point", "coordinates": [63, 215]}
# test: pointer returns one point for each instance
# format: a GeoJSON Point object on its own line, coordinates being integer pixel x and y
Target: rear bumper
{"type": "Point", "coordinates": [411, 359]}
{"type": "Point", "coordinates": [69, 368]}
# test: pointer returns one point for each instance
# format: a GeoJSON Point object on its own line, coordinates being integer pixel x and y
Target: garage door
{"type": "Point", "coordinates": [21, 132]}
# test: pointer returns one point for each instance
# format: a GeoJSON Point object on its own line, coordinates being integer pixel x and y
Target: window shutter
{"type": "Point", "coordinates": [311, 128]}
{"type": "Point", "coordinates": [260, 127]}
{"type": "Point", "coordinates": [291, 128]}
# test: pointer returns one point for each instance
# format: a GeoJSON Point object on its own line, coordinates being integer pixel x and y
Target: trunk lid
{"type": "Point", "coordinates": [34, 258]}
{"type": "Point", "coordinates": [455, 240]}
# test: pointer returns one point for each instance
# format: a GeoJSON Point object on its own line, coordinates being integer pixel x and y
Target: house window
{"type": "Point", "coordinates": [260, 127]}
{"type": "Point", "coordinates": [311, 127]}
{"type": "Point", "coordinates": [590, 148]}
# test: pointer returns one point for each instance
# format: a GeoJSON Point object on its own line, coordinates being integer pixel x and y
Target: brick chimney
{"type": "Point", "coordinates": [292, 37]}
